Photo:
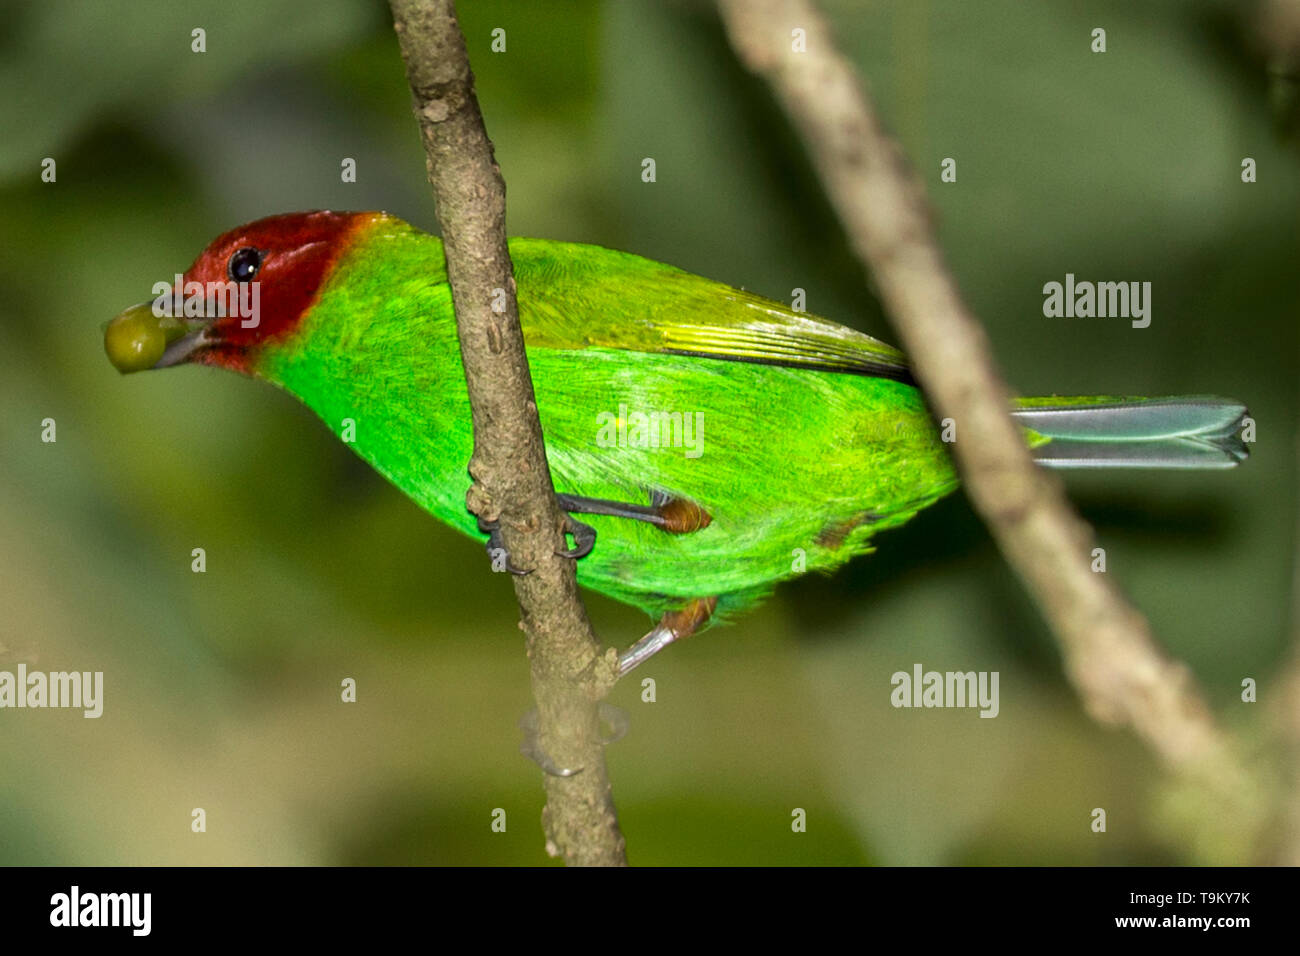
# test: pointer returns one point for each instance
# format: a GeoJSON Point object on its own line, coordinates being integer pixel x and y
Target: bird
{"type": "Point", "coordinates": [715, 442]}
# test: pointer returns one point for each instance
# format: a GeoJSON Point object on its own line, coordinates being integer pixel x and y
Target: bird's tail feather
{"type": "Point", "coordinates": [1196, 431]}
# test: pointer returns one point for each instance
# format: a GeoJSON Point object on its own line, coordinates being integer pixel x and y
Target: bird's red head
{"type": "Point", "coordinates": [266, 275]}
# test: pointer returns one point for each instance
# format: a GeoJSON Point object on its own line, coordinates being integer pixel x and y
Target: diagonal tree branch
{"type": "Point", "coordinates": [1111, 656]}
{"type": "Point", "coordinates": [1276, 35]}
{"type": "Point", "coordinates": [512, 481]}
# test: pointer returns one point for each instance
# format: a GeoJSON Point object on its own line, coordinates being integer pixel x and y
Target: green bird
{"type": "Point", "coordinates": [717, 442]}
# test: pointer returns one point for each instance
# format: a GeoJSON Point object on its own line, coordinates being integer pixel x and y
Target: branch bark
{"type": "Point", "coordinates": [1111, 656]}
{"type": "Point", "coordinates": [511, 478]}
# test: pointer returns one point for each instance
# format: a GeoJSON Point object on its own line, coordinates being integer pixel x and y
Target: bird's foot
{"type": "Point", "coordinates": [496, 548]}
{"type": "Point", "coordinates": [584, 538]}
{"type": "Point", "coordinates": [616, 724]}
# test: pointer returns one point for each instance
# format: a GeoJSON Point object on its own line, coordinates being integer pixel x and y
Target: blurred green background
{"type": "Point", "coordinates": [222, 688]}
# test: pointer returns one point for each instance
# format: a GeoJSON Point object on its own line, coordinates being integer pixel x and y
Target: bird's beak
{"type": "Point", "coordinates": [137, 339]}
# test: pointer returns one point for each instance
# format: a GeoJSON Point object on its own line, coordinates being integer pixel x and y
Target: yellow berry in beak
{"type": "Point", "coordinates": [136, 338]}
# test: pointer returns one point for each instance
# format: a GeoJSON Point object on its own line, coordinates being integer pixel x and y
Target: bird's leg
{"type": "Point", "coordinates": [673, 626]}
{"type": "Point", "coordinates": [673, 515]}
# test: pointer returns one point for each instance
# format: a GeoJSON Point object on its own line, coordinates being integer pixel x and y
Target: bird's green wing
{"type": "Point", "coordinates": [651, 307]}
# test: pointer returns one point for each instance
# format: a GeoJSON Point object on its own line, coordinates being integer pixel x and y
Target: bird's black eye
{"type": "Point", "coordinates": [244, 263]}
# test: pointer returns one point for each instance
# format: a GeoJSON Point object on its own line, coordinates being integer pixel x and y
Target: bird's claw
{"type": "Point", "coordinates": [496, 548]}
{"type": "Point", "coordinates": [616, 720]}
{"type": "Point", "coordinates": [584, 538]}
{"type": "Point", "coordinates": [616, 723]}
{"type": "Point", "coordinates": [531, 747]}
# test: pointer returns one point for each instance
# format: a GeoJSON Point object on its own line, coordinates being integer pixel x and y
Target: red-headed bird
{"type": "Point", "coordinates": [716, 441]}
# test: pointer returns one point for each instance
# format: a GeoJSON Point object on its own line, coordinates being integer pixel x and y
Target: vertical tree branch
{"type": "Point", "coordinates": [512, 481]}
{"type": "Point", "coordinates": [1110, 653]}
